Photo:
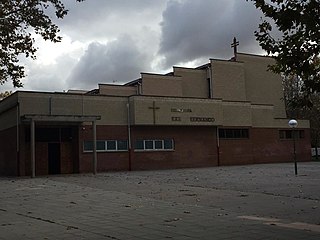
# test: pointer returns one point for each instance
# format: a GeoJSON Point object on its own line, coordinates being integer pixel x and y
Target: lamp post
{"type": "Point", "coordinates": [293, 124]}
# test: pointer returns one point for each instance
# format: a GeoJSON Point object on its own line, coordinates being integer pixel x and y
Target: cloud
{"type": "Point", "coordinates": [96, 20]}
{"type": "Point", "coordinates": [48, 77]}
{"type": "Point", "coordinates": [115, 62]}
{"type": "Point", "coordinates": [194, 29]}
{"type": "Point", "coordinates": [106, 41]}
{"type": "Point", "coordinates": [52, 66]}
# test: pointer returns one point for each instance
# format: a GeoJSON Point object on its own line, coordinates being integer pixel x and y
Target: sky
{"type": "Point", "coordinates": [113, 41]}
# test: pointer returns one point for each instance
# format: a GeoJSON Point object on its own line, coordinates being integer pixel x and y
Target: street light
{"type": "Point", "coordinates": [293, 124]}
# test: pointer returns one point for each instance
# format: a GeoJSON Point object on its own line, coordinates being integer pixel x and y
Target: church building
{"type": "Point", "coordinates": [226, 112]}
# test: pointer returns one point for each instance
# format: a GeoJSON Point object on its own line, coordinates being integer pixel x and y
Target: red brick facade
{"type": "Point", "coordinates": [193, 147]}
{"type": "Point", "coordinates": [107, 161]}
{"type": "Point", "coordinates": [263, 146]}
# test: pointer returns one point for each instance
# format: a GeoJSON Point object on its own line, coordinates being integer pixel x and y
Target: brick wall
{"type": "Point", "coordinates": [8, 152]}
{"type": "Point", "coordinates": [194, 147]}
{"type": "Point", "coordinates": [263, 146]}
{"type": "Point", "coordinates": [106, 160]}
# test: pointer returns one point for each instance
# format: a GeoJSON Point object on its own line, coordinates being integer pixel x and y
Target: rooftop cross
{"type": "Point", "coordinates": [234, 46]}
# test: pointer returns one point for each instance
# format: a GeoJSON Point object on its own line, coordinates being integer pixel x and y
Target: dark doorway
{"type": "Point", "coordinates": [54, 158]}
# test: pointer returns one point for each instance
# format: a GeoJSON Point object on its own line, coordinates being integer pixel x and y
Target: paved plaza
{"type": "Point", "coordinates": [240, 202]}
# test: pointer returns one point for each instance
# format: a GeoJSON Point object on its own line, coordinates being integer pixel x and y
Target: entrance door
{"type": "Point", "coordinates": [54, 158]}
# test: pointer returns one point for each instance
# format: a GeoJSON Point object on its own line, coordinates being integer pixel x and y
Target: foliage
{"type": "Point", "coordinates": [297, 50]}
{"type": "Point", "coordinates": [292, 93]}
{"type": "Point", "coordinates": [5, 94]}
{"type": "Point", "coordinates": [18, 18]}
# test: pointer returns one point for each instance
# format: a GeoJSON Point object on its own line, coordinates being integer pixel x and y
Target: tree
{"type": "Point", "coordinates": [292, 94]}
{"type": "Point", "coordinates": [297, 51]}
{"type": "Point", "coordinates": [18, 18]}
{"type": "Point", "coordinates": [5, 94]}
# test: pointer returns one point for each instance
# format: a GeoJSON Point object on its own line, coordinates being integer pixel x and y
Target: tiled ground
{"type": "Point", "coordinates": [240, 202]}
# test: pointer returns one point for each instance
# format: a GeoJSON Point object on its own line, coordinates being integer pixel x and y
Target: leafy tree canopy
{"type": "Point", "coordinates": [292, 90]}
{"type": "Point", "coordinates": [5, 94]}
{"type": "Point", "coordinates": [297, 50]}
{"type": "Point", "coordinates": [18, 18]}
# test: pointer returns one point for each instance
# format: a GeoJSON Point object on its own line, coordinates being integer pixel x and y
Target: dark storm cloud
{"type": "Point", "coordinates": [205, 28]}
{"type": "Point", "coordinates": [175, 30]}
{"type": "Point", "coordinates": [116, 62]}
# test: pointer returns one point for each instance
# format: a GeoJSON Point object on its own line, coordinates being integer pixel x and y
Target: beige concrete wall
{"type": "Point", "coordinates": [242, 94]}
{"type": "Point", "coordinates": [8, 102]}
{"type": "Point", "coordinates": [170, 111]}
{"type": "Point", "coordinates": [262, 115]}
{"type": "Point", "coordinates": [34, 103]}
{"type": "Point", "coordinates": [237, 114]}
{"type": "Point", "coordinates": [64, 105]}
{"type": "Point", "coordinates": [161, 85]}
{"type": "Point", "coordinates": [8, 111]}
{"type": "Point", "coordinates": [8, 119]}
{"type": "Point", "coordinates": [228, 80]}
{"type": "Point", "coordinates": [117, 90]}
{"type": "Point", "coordinates": [194, 82]}
{"type": "Point", "coordinates": [176, 111]}
{"type": "Point", "coordinates": [113, 110]}
{"type": "Point", "coordinates": [262, 86]}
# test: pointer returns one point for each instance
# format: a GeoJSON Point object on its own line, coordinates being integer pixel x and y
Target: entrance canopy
{"type": "Point", "coordinates": [33, 118]}
{"type": "Point", "coordinates": [59, 118]}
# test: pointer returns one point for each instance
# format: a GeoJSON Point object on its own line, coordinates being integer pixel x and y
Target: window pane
{"type": "Point", "coordinates": [101, 145]}
{"type": "Point", "coordinates": [139, 145]}
{"type": "Point", "coordinates": [111, 145]}
{"type": "Point", "coordinates": [229, 133]}
{"type": "Point", "coordinates": [149, 144]}
{"type": "Point", "coordinates": [168, 144]}
{"type": "Point", "coordinates": [245, 133]}
{"type": "Point", "coordinates": [222, 133]}
{"type": "Point", "coordinates": [288, 134]}
{"type": "Point", "coordinates": [282, 134]}
{"type": "Point", "coordinates": [158, 144]}
{"type": "Point", "coordinates": [88, 146]}
{"type": "Point", "coordinates": [234, 133]}
{"type": "Point", "coordinates": [301, 134]}
{"type": "Point", "coordinates": [122, 145]}
{"type": "Point", "coordinates": [237, 133]}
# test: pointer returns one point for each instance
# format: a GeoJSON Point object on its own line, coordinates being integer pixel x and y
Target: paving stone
{"type": "Point", "coordinates": [238, 202]}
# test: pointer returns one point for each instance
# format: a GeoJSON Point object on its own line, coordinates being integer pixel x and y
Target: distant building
{"type": "Point", "coordinates": [221, 113]}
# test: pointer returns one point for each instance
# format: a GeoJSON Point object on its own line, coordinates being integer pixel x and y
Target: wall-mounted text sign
{"type": "Point", "coordinates": [176, 119]}
{"type": "Point", "coordinates": [202, 119]}
{"type": "Point", "coordinates": [181, 110]}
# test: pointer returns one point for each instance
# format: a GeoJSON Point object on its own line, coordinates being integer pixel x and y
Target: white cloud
{"type": "Point", "coordinates": [49, 77]}
{"type": "Point", "coordinates": [49, 52]}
